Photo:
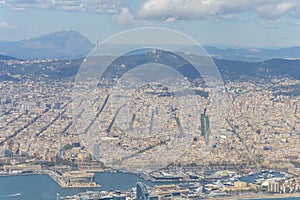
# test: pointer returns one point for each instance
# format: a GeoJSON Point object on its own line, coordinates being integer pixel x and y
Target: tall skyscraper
{"type": "Point", "coordinates": [131, 125]}
{"type": "Point", "coordinates": [96, 151]}
{"type": "Point", "coordinates": [205, 129]}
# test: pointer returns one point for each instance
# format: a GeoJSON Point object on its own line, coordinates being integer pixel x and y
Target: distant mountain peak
{"type": "Point", "coordinates": [55, 45]}
{"type": "Point", "coordinates": [61, 34]}
{"type": "Point", "coordinates": [253, 54]}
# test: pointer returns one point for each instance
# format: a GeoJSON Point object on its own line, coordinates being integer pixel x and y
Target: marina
{"type": "Point", "coordinates": [17, 187]}
{"type": "Point", "coordinates": [20, 187]}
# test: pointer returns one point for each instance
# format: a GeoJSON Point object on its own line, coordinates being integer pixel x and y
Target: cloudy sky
{"type": "Point", "coordinates": [224, 23]}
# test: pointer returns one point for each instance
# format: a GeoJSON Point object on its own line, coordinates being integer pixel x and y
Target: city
{"type": "Point", "coordinates": [149, 99]}
{"type": "Point", "coordinates": [258, 141]}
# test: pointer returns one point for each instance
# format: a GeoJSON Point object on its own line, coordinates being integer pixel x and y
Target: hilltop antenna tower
{"type": "Point", "coordinates": [97, 45]}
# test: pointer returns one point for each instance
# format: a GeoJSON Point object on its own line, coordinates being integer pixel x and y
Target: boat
{"type": "Point", "coordinates": [12, 195]}
{"type": "Point", "coordinates": [229, 183]}
{"type": "Point", "coordinates": [260, 180]}
{"type": "Point", "coordinates": [270, 176]}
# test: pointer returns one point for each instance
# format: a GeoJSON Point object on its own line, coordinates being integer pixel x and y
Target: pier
{"type": "Point", "coordinates": [73, 179]}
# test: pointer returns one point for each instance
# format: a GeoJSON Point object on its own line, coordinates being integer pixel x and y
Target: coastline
{"type": "Point", "coordinates": [260, 196]}
{"type": "Point", "coordinates": [57, 179]}
{"type": "Point", "coordinates": [233, 197]}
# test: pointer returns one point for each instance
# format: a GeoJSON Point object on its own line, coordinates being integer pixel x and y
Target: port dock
{"type": "Point", "coordinates": [73, 179]}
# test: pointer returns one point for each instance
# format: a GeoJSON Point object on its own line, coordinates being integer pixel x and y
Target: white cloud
{"type": "Point", "coordinates": [18, 8]}
{"type": "Point", "coordinates": [188, 9]}
{"type": "Point", "coordinates": [168, 10]}
{"type": "Point", "coordinates": [103, 6]}
{"type": "Point", "coordinates": [200, 9]}
{"type": "Point", "coordinates": [275, 11]}
{"type": "Point", "coordinates": [170, 19]}
{"type": "Point", "coordinates": [124, 17]}
{"type": "Point", "coordinates": [6, 26]}
{"type": "Point", "coordinates": [271, 22]}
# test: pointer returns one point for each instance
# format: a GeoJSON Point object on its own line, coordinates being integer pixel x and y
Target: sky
{"type": "Point", "coordinates": [222, 23]}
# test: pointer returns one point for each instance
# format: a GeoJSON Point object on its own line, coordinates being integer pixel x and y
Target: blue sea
{"type": "Point", "coordinates": [42, 187]}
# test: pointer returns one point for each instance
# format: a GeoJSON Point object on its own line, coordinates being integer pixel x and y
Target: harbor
{"type": "Point", "coordinates": [46, 188]}
{"type": "Point", "coordinates": [74, 179]}
{"type": "Point", "coordinates": [63, 176]}
{"type": "Point", "coordinates": [218, 185]}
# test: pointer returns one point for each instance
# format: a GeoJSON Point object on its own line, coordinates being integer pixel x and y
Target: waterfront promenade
{"type": "Point", "coordinates": [261, 196]}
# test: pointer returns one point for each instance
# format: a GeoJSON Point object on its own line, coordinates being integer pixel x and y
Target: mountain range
{"type": "Point", "coordinates": [229, 70]}
{"type": "Point", "coordinates": [73, 45]}
{"type": "Point", "coordinates": [254, 54]}
{"type": "Point", "coordinates": [67, 50]}
{"type": "Point", "coordinates": [57, 45]}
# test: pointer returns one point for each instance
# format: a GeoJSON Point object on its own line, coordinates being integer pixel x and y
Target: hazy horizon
{"type": "Point", "coordinates": [271, 24]}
